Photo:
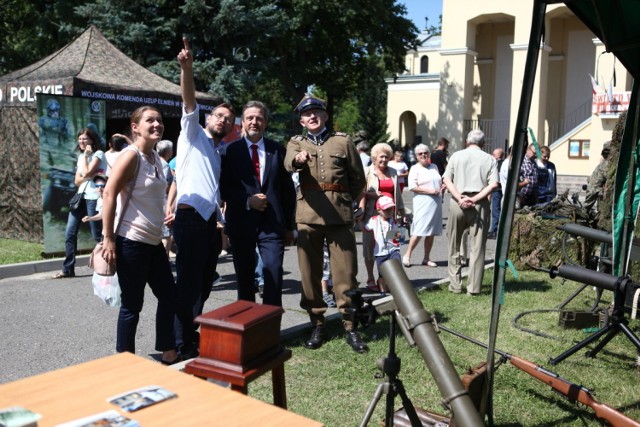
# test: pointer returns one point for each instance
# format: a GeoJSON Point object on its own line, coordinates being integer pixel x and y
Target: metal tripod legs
{"type": "Point", "coordinates": [391, 385]}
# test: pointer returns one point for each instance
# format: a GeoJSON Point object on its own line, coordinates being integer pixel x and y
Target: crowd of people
{"type": "Point", "coordinates": [264, 196]}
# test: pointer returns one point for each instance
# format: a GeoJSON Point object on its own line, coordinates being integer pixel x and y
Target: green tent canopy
{"type": "Point", "coordinates": [615, 23]}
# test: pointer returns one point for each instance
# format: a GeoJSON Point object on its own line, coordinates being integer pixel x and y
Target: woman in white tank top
{"type": "Point", "coordinates": [137, 247]}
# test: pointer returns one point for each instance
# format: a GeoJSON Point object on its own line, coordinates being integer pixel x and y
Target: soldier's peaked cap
{"type": "Point", "coordinates": [310, 103]}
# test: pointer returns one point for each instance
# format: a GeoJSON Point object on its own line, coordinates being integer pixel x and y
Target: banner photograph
{"type": "Point", "coordinates": [60, 118]}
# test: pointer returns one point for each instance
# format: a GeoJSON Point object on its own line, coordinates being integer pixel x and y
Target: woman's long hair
{"type": "Point", "coordinates": [93, 137]}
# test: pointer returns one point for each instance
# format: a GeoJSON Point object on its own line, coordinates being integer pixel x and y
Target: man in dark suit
{"type": "Point", "coordinates": [260, 198]}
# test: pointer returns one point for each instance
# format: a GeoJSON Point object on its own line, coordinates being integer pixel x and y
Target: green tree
{"type": "Point", "coordinates": [347, 116]}
{"type": "Point", "coordinates": [145, 30]}
{"type": "Point", "coordinates": [30, 31]}
{"type": "Point", "coordinates": [372, 102]}
{"type": "Point", "coordinates": [265, 49]}
{"type": "Point", "coordinates": [328, 44]}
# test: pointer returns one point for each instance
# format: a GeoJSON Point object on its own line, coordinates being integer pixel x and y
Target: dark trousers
{"type": "Point", "coordinates": [271, 250]}
{"type": "Point", "coordinates": [87, 207]}
{"type": "Point", "coordinates": [381, 259]}
{"type": "Point", "coordinates": [199, 244]}
{"type": "Point", "coordinates": [496, 203]}
{"type": "Point", "coordinates": [138, 264]}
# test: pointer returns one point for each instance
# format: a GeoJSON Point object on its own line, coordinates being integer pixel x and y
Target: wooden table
{"type": "Point", "coordinates": [82, 390]}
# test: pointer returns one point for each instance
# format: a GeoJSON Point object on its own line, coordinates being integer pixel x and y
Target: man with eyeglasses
{"type": "Point", "coordinates": [331, 178]}
{"type": "Point", "coordinates": [260, 204]}
{"type": "Point", "coordinates": [470, 176]}
{"type": "Point", "coordinates": [198, 201]}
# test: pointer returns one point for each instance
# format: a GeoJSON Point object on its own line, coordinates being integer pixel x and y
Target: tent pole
{"type": "Point", "coordinates": [509, 196]}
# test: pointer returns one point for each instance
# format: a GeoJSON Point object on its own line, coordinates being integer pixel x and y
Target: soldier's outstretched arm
{"type": "Point", "coordinates": [187, 85]}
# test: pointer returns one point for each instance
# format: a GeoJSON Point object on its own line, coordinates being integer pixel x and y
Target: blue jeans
{"type": "Point", "coordinates": [199, 244]}
{"type": "Point", "coordinates": [138, 264]}
{"type": "Point", "coordinates": [87, 207]}
{"type": "Point", "coordinates": [259, 274]}
{"type": "Point", "coordinates": [496, 202]}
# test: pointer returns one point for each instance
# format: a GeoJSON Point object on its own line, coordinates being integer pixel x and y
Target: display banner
{"type": "Point", "coordinates": [607, 103]}
{"type": "Point", "coordinates": [60, 118]}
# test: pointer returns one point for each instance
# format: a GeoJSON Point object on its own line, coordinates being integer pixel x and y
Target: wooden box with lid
{"type": "Point", "coordinates": [240, 335]}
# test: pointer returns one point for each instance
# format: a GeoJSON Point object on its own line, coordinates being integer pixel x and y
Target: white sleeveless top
{"type": "Point", "coordinates": [144, 216]}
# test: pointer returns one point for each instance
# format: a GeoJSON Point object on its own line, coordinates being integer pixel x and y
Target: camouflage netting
{"type": "Point", "coordinates": [535, 240]}
{"type": "Point", "coordinates": [20, 194]}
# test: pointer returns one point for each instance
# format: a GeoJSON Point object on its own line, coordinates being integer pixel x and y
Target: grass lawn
{"type": "Point", "coordinates": [334, 385]}
{"type": "Point", "coordinates": [15, 251]}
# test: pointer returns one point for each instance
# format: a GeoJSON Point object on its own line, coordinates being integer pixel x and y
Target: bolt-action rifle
{"type": "Point", "coordinates": [573, 392]}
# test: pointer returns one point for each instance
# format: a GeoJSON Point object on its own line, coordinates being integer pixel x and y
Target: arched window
{"type": "Point", "coordinates": [424, 64]}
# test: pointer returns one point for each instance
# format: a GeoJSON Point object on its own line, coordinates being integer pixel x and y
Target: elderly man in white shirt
{"type": "Point", "coordinates": [470, 176]}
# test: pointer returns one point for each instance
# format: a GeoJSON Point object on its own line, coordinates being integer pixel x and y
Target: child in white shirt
{"type": "Point", "coordinates": [100, 181]}
{"type": "Point", "coordinates": [386, 235]}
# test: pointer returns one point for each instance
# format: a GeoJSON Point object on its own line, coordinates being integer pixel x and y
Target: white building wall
{"type": "Point", "coordinates": [579, 66]}
{"type": "Point", "coordinates": [459, 66]}
{"type": "Point", "coordinates": [504, 67]}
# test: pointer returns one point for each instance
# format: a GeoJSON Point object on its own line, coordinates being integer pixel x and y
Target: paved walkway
{"type": "Point", "coordinates": [49, 324]}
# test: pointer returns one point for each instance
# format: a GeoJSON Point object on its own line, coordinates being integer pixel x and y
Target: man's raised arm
{"type": "Point", "coordinates": [187, 84]}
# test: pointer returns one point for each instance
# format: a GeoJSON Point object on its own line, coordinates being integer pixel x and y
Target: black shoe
{"type": "Point", "coordinates": [188, 353]}
{"type": "Point", "coordinates": [178, 359]}
{"type": "Point", "coordinates": [356, 342]}
{"type": "Point", "coordinates": [317, 338]}
{"type": "Point", "coordinates": [491, 235]}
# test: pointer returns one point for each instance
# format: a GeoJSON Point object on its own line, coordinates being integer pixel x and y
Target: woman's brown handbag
{"type": "Point", "coordinates": [98, 264]}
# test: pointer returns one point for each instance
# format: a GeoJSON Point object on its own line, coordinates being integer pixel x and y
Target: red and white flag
{"type": "Point", "coordinates": [594, 85]}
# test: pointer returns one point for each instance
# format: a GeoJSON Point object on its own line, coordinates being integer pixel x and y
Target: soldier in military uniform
{"type": "Point", "coordinates": [331, 177]}
{"type": "Point", "coordinates": [53, 127]}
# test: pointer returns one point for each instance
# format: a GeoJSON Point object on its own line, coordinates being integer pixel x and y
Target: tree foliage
{"type": "Point", "coordinates": [372, 102]}
{"type": "Point", "coordinates": [258, 49]}
{"type": "Point", "coordinates": [30, 31]}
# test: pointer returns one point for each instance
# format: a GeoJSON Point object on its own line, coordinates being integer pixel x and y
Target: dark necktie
{"type": "Point", "coordinates": [255, 160]}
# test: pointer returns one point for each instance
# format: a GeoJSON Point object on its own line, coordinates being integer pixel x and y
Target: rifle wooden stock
{"type": "Point", "coordinates": [573, 392]}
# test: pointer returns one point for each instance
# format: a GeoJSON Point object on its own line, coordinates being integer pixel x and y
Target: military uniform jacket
{"type": "Point", "coordinates": [329, 182]}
